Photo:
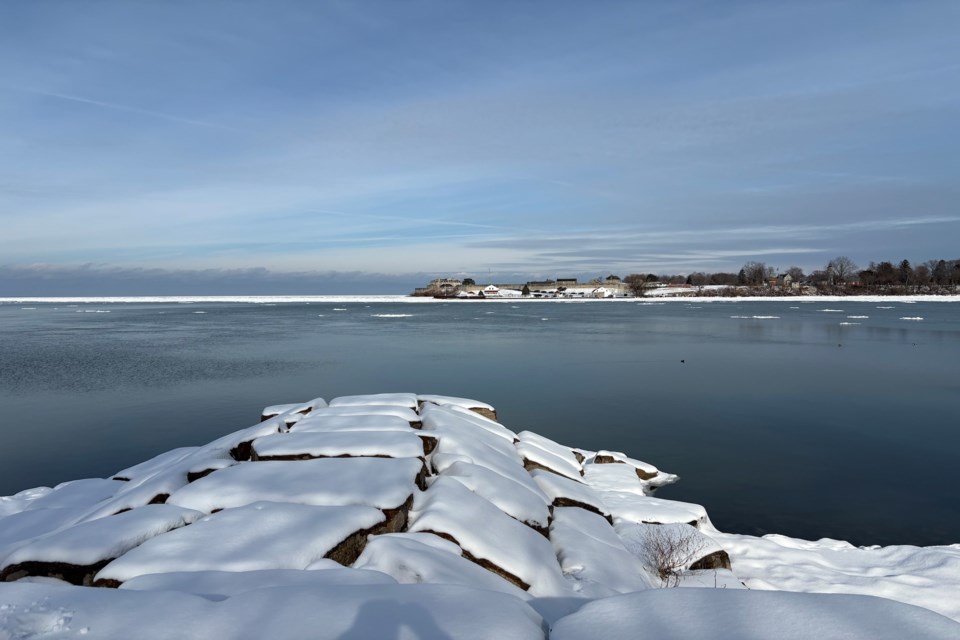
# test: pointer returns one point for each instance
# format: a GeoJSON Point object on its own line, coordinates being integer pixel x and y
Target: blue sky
{"type": "Point", "coordinates": [332, 146]}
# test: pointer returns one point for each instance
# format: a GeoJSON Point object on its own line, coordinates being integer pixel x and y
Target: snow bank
{"type": "Point", "coordinates": [219, 585]}
{"type": "Point", "coordinates": [925, 576]}
{"type": "Point", "coordinates": [719, 614]}
{"type": "Point", "coordinates": [342, 612]}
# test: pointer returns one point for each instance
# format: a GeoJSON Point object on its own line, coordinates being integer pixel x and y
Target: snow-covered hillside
{"type": "Point", "coordinates": [405, 516]}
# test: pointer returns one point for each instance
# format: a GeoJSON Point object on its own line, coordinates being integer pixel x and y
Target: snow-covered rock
{"type": "Point", "coordinates": [75, 553]}
{"type": "Point", "coordinates": [398, 515]}
{"type": "Point", "coordinates": [490, 537]}
{"type": "Point", "coordinates": [408, 400]}
{"type": "Point", "coordinates": [262, 535]}
{"type": "Point", "coordinates": [376, 482]}
{"type": "Point", "coordinates": [313, 444]}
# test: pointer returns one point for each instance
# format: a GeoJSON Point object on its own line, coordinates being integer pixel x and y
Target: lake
{"type": "Point", "coordinates": [811, 419]}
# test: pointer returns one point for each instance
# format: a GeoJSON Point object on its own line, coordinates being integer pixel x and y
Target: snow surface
{"type": "Point", "coordinates": [328, 612]}
{"type": "Point", "coordinates": [330, 444]}
{"type": "Point", "coordinates": [91, 542]}
{"type": "Point", "coordinates": [408, 400]}
{"type": "Point", "coordinates": [519, 501]}
{"type": "Point", "coordinates": [262, 535]}
{"type": "Point", "coordinates": [925, 576]}
{"type": "Point", "coordinates": [730, 614]}
{"type": "Point", "coordinates": [414, 558]}
{"type": "Point", "coordinates": [548, 453]}
{"type": "Point", "coordinates": [560, 488]}
{"type": "Point", "coordinates": [593, 557]}
{"type": "Point", "coordinates": [455, 417]}
{"type": "Point", "coordinates": [488, 534]}
{"type": "Point", "coordinates": [300, 407]}
{"type": "Point", "coordinates": [360, 422]}
{"type": "Point", "coordinates": [383, 483]}
{"type": "Point", "coordinates": [466, 403]}
{"type": "Point", "coordinates": [219, 585]}
{"type": "Point", "coordinates": [365, 410]}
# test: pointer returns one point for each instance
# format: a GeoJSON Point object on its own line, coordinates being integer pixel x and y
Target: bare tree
{"type": "Point", "coordinates": [698, 279]}
{"type": "Point", "coordinates": [638, 284]}
{"type": "Point", "coordinates": [842, 268]}
{"type": "Point", "coordinates": [756, 273]}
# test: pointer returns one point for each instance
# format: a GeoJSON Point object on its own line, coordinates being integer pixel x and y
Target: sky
{"type": "Point", "coordinates": [203, 147]}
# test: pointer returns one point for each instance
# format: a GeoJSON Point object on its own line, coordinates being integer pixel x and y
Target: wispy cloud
{"type": "Point", "coordinates": [124, 108]}
{"type": "Point", "coordinates": [442, 137]}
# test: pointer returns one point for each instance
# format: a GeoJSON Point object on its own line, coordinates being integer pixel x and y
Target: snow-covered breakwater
{"type": "Point", "coordinates": [398, 515]}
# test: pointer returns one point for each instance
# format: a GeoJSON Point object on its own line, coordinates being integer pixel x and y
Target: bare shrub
{"type": "Point", "coordinates": [670, 551]}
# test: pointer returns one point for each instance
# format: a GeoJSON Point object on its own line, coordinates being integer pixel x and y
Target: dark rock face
{"type": "Point", "coordinates": [347, 552]}
{"type": "Point", "coordinates": [429, 444]}
{"type": "Point", "coordinates": [80, 575]}
{"type": "Point", "coordinates": [196, 475]}
{"type": "Point", "coordinates": [643, 475]}
{"type": "Point", "coordinates": [242, 451]}
{"type": "Point", "coordinates": [605, 459]}
{"type": "Point", "coordinates": [602, 459]}
{"type": "Point", "coordinates": [486, 413]}
{"type": "Point", "coordinates": [715, 560]}
{"type": "Point", "coordinates": [567, 502]}
{"type": "Point", "coordinates": [530, 465]}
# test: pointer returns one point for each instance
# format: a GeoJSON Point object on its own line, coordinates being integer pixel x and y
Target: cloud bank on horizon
{"type": "Point", "coordinates": [373, 143]}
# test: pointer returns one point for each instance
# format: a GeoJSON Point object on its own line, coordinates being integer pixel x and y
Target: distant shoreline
{"type": "Point", "coordinates": [407, 299]}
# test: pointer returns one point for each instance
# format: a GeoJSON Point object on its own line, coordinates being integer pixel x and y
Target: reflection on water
{"type": "Point", "coordinates": [795, 424]}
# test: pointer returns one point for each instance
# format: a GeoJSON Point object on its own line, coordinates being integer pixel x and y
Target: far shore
{"type": "Point", "coordinates": [253, 299]}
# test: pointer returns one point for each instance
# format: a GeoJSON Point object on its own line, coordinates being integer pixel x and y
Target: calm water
{"type": "Point", "coordinates": [798, 424]}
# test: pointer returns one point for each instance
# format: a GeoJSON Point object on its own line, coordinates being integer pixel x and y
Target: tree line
{"type": "Point", "coordinates": [838, 276]}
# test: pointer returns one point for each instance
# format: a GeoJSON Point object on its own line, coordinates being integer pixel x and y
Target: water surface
{"type": "Point", "coordinates": [810, 419]}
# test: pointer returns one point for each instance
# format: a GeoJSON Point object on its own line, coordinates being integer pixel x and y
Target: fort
{"type": "Point", "coordinates": [610, 287]}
